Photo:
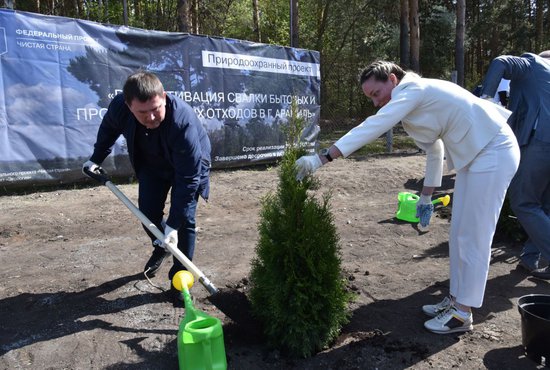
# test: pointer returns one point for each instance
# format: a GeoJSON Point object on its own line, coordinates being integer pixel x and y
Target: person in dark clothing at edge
{"type": "Point", "coordinates": [529, 191]}
{"type": "Point", "coordinates": [168, 149]}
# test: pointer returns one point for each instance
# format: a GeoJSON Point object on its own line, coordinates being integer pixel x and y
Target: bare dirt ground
{"type": "Point", "coordinates": [73, 296]}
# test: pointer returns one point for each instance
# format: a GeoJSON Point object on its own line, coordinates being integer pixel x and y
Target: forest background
{"type": "Point", "coordinates": [452, 40]}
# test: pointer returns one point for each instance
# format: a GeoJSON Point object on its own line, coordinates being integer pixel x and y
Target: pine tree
{"type": "Point", "coordinates": [297, 289]}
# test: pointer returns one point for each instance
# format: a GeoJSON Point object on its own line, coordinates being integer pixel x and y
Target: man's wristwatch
{"type": "Point", "coordinates": [325, 153]}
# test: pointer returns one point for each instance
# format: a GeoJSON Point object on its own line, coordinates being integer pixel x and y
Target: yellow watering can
{"type": "Point", "coordinates": [406, 206]}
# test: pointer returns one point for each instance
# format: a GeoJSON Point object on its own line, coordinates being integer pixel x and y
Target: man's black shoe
{"type": "Point", "coordinates": [528, 267]}
{"type": "Point", "coordinates": [542, 273]}
{"type": "Point", "coordinates": [176, 294]}
{"type": "Point", "coordinates": [153, 265]}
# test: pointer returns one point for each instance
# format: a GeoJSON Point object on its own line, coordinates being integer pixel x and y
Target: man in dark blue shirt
{"type": "Point", "coordinates": [169, 150]}
{"type": "Point", "coordinates": [529, 191]}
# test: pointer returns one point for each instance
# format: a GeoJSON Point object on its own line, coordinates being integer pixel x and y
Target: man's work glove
{"type": "Point", "coordinates": [424, 209]}
{"type": "Point", "coordinates": [91, 166]}
{"type": "Point", "coordinates": [170, 236]}
{"type": "Point", "coordinates": [306, 165]}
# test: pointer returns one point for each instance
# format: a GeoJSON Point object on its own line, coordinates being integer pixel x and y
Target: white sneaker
{"type": "Point", "coordinates": [450, 321]}
{"type": "Point", "coordinates": [433, 310]}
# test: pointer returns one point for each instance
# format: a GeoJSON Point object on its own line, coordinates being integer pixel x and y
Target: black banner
{"type": "Point", "coordinates": [58, 75]}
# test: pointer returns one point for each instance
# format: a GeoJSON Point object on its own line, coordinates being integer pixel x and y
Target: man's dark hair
{"type": "Point", "coordinates": [142, 86]}
{"type": "Point", "coordinates": [381, 71]}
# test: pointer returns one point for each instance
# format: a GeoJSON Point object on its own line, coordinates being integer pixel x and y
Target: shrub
{"type": "Point", "coordinates": [508, 225]}
{"type": "Point", "coordinates": [297, 289]}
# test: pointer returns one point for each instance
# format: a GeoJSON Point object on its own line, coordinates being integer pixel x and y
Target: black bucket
{"type": "Point", "coordinates": [535, 326]}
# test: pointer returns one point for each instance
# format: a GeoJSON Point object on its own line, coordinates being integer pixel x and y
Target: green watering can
{"type": "Point", "coordinates": [200, 336]}
{"type": "Point", "coordinates": [406, 206]}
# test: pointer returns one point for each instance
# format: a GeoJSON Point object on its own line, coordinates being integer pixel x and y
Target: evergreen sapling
{"type": "Point", "coordinates": [298, 293]}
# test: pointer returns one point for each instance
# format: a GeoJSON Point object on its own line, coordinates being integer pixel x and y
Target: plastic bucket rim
{"type": "Point", "coordinates": [531, 298]}
{"type": "Point", "coordinates": [534, 329]}
{"type": "Point", "coordinates": [522, 310]}
{"type": "Point", "coordinates": [534, 295]}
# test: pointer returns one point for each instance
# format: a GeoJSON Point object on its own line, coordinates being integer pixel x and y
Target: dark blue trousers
{"type": "Point", "coordinates": [154, 185]}
{"type": "Point", "coordinates": [530, 199]}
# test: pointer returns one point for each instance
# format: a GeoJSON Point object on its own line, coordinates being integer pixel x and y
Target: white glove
{"type": "Point", "coordinates": [424, 210]}
{"type": "Point", "coordinates": [170, 236]}
{"type": "Point", "coordinates": [91, 166]}
{"type": "Point", "coordinates": [306, 165]}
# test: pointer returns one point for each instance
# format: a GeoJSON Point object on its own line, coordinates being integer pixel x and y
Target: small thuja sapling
{"type": "Point", "coordinates": [298, 293]}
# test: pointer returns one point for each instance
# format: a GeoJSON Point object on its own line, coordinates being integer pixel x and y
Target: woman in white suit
{"type": "Point", "coordinates": [446, 121]}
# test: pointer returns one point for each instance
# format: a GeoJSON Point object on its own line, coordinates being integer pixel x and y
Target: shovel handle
{"type": "Point", "coordinates": [101, 176]}
{"type": "Point", "coordinates": [160, 236]}
{"type": "Point", "coordinates": [157, 233]}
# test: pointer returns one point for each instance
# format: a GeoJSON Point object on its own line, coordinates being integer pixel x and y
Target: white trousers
{"type": "Point", "coordinates": [480, 189]}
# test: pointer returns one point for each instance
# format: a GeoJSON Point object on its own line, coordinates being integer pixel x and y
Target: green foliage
{"type": "Point", "coordinates": [348, 34]}
{"type": "Point", "coordinates": [401, 142]}
{"type": "Point", "coordinates": [239, 20]}
{"type": "Point", "coordinates": [437, 29]}
{"type": "Point", "coordinates": [508, 225]}
{"type": "Point", "coordinates": [275, 22]}
{"type": "Point", "coordinates": [298, 292]}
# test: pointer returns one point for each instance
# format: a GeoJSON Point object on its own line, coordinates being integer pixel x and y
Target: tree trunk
{"type": "Point", "coordinates": [195, 24]}
{"type": "Point", "coordinates": [256, 20]}
{"type": "Point", "coordinates": [459, 40]}
{"type": "Point", "coordinates": [404, 48]}
{"type": "Point", "coordinates": [183, 16]}
{"type": "Point", "coordinates": [100, 7]}
{"type": "Point", "coordinates": [106, 13]}
{"type": "Point", "coordinates": [415, 35]}
{"type": "Point", "coordinates": [539, 25]}
{"type": "Point", "coordinates": [294, 32]}
{"type": "Point", "coordinates": [352, 61]}
{"type": "Point", "coordinates": [125, 12]}
{"type": "Point", "coordinates": [137, 10]}
{"type": "Point", "coordinates": [322, 18]}
{"type": "Point", "coordinates": [159, 15]}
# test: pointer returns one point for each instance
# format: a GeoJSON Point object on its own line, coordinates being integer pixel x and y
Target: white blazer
{"type": "Point", "coordinates": [443, 119]}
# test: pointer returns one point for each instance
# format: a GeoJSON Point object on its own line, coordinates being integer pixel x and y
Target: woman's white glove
{"type": "Point", "coordinates": [170, 236]}
{"type": "Point", "coordinates": [306, 165]}
{"type": "Point", "coordinates": [424, 210]}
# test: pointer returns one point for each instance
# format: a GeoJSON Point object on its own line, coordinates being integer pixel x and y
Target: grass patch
{"type": "Point", "coordinates": [401, 142]}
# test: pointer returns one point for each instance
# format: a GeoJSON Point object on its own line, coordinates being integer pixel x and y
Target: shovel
{"type": "Point", "coordinates": [101, 176]}
{"type": "Point", "coordinates": [232, 303]}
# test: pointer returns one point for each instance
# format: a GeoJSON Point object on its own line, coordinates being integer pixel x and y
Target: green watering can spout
{"type": "Point", "coordinates": [200, 336]}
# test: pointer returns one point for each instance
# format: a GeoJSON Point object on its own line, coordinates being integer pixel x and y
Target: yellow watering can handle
{"type": "Point", "coordinates": [443, 200]}
{"type": "Point", "coordinates": [183, 280]}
